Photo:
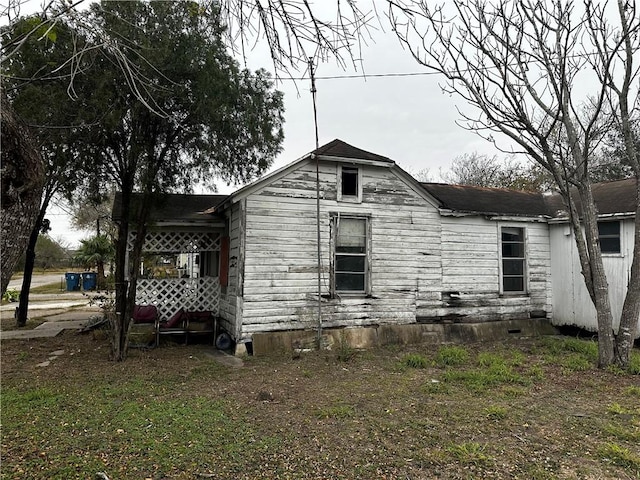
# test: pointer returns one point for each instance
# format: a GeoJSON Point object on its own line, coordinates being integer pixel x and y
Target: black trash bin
{"type": "Point", "coordinates": [73, 281]}
{"type": "Point", "coordinates": [89, 280]}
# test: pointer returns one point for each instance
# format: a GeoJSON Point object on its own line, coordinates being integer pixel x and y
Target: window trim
{"type": "Point", "coordinates": [618, 236]}
{"type": "Point", "coordinates": [334, 222]}
{"type": "Point", "coordinates": [349, 198]}
{"type": "Point", "coordinates": [524, 258]}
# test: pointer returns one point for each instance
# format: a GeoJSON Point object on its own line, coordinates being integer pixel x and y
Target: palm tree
{"type": "Point", "coordinates": [96, 251]}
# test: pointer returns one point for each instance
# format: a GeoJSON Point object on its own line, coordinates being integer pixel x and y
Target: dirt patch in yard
{"type": "Point", "coordinates": [530, 409]}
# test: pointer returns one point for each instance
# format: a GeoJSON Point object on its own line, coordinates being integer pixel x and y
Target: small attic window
{"type": "Point", "coordinates": [349, 184]}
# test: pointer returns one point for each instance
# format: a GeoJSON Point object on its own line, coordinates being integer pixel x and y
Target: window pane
{"type": "Point", "coordinates": [513, 267]}
{"type": "Point", "coordinates": [351, 233]}
{"type": "Point", "coordinates": [513, 250]}
{"type": "Point", "coordinates": [512, 234]}
{"type": "Point", "coordinates": [513, 284]}
{"type": "Point", "coordinates": [610, 245]}
{"type": "Point", "coordinates": [609, 228]}
{"type": "Point", "coordinates": [350, 282]}
{"type": "Point", "coordinates": [347, 263]}
{"type": "Point", "coordinates": [349, 181]}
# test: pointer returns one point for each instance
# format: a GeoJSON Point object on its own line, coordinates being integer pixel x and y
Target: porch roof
{"type": "Point", "coordinates": [173, 207]}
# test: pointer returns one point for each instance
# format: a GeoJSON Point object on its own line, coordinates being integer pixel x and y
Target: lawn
{"type": "Point", "coordinates": [530, 409]}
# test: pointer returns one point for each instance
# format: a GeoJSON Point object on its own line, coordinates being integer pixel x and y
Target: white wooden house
{"type": "Point", "coordinates": [399, 260]}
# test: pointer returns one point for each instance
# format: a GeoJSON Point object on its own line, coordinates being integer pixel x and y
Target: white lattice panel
{"type": "Point", "coordinates": [171, 294]}
{"type": "Point", "coordinates": [178, 242]}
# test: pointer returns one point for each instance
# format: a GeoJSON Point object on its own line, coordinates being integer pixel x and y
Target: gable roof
{"type": "Point", "coordinates": [172, 207]}
{"type": "Point", "coordinates": [335, 149]}
{"type": "Point", "coordinates": [472, 199]}
{"type": "Point", "coordinates": [340, 149]}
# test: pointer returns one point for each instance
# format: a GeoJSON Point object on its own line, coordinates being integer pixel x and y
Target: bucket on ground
{"type": "Point", "coordinates": [89, 280]}
{"type": "Point", "coordinates": [73, 281]}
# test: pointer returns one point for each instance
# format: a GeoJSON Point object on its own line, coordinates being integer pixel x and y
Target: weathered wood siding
{"type": "Point", "coordinates": [471, 272]}
{"type": "Point", "coordinates": [571, 302]}
{"type": "Point", "coordinates": [230, 296]}
{"type": "Point", "coordinates": [280, 282]}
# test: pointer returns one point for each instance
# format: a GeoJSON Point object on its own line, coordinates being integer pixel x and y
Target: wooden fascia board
{"type": "Point", "coordinates": [604, 216]}
{"type": "Point", "coordinates": [446, 212]}
{"type": "Point", "coordinates": [197, 226]}
{"type": "Point", "coordinates": [354, 161]}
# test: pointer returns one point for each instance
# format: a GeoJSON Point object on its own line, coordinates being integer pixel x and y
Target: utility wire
{"type": "Point", "coordinates": [363, 75]}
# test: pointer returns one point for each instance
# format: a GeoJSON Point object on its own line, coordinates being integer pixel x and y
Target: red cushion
{"type": "Point", "coordinates": [145, 314]}
{"type": "Point", "coordinates": [175, 320]}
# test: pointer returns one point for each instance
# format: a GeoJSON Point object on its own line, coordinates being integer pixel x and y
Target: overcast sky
{"type": "Point", "coordinates": [406, 118]}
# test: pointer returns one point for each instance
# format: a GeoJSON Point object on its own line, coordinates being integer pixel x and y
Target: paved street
{"type": "Point", "coordinates": [38, 280]}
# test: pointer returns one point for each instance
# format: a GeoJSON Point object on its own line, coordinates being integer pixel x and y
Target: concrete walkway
{"type": "Point", "coordinates": [56, 318]}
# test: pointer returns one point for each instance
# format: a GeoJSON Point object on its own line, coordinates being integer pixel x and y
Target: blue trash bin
{"type": "Point", "coordinates": [73, 281]}
{"type": "Point", "coordinates": [89, 280]}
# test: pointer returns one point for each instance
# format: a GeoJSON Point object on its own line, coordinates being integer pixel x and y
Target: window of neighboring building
{"type": "Point", "coordinates": [349, 184]}
{"type": "Point", "coordinates": [513, 260]}
{"type": "Point", "coordinates": [350, 255]}
{"type": "Point", "coordinates": [609, 233]}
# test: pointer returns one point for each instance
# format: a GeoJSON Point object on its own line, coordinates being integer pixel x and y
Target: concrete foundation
{"type": "Point", "coordinates": [285, 342]}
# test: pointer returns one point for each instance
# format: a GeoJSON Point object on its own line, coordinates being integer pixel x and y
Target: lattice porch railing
{"type": "Point", "coordinates": [171, 294]}
{"type": "Point", "coordinates": [161, 241]}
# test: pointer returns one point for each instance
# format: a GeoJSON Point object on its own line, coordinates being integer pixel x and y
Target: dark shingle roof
{"type": "Point", "coordinates": [170, 207]}
{"type": "Point", "coordinates": [618, 196]}
{"type": "Point", "coordinates": [471, 199]}
{"type": "Point", "coordinates": [338, 148]}
{"type": "Point", "coordinates": [611, 197]}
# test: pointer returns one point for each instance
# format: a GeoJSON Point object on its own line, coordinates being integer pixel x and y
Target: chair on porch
{"type": "Point", "coordinates": [186, 323]}
{"type": "Point", "coordinates": [142, 334]}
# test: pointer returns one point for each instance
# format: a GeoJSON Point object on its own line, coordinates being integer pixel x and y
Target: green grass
{"type": "Point", "coordinates": [50, 288]}
{"type": "Point", "coordinates": [496, 412]}
{"type": "Point", "coordinates": [470, 453]}
{"type": "Point", "coordinates": [335, 411]}
{"type": "Point", "coordinates": [621, 456]}
{"type": "Point", "coordinates": [414, 360]}
{"type": "Point", "coordinates": [449, 356]}
{"type": "Point", "coordinates": [175, 413]}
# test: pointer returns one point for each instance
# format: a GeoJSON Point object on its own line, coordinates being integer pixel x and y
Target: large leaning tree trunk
{"type": "Point", "coordinates": [550, 78]}
{"type": "Point", "coordinates": [22, 181]}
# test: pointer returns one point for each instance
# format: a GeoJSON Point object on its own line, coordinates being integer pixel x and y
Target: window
{"type": "Point", "coordinates": [609, 234]}
{"type": "Point", "coordinates": [350, 256]}
{"type": "Point", "coordinates": [349, 185]}
{"type": "Point", "coordinates": [513, 260]}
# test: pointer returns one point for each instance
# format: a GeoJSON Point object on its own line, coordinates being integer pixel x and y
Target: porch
{"type": "Point", "coordinates": [179, 271]}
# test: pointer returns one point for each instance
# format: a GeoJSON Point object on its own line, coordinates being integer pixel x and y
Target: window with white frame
{"type": "Point", "coordinates": [350, 265]}
{"type": "Point", "coordinates": [349, 183]}
{"type": "Point", "coordinates": [513, 269]}
{"type": "Point", "coordinates": [609, 234]}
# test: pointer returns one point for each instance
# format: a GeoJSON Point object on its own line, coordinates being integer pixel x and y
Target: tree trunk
{"type": "Point", "coordinates": [30, 263]}
{"type": "Point", "coordinates": [601, 299]}
{"type": "Point", "coordinates": [22, 180]}
{"type": "Point", "coordinates": [631, 307]}
{"type": "Point", "coordinates": [101, 279]}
